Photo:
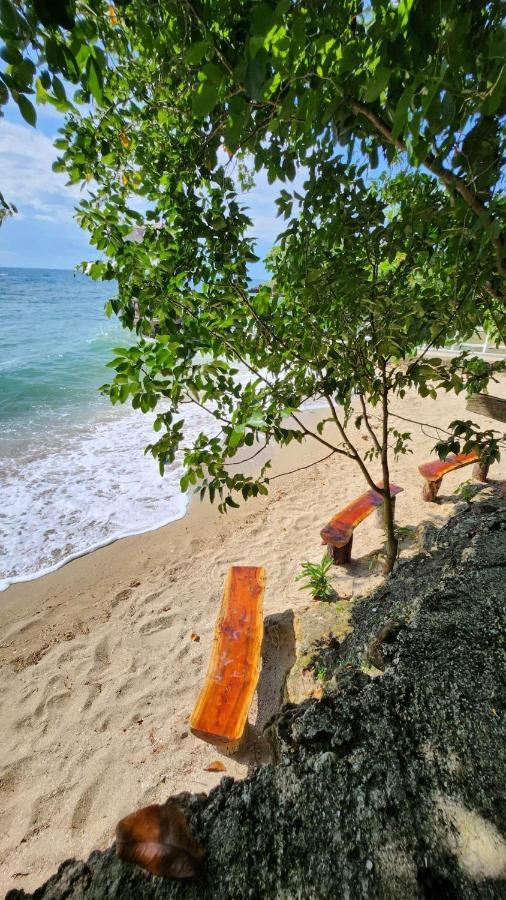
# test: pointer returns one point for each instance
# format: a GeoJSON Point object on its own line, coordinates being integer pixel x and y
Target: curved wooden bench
{"type": "Point", "coordinates": [221, 711]}
{"type": "Point", "coordinates": [338, 533]}
{"type": "Point", "coordinates": [434, 472]}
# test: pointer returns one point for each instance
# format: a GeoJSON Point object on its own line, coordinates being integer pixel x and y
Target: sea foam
{"type": "Point", "coordinates": [75, 495]}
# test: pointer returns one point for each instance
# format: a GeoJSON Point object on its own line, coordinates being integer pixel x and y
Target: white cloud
{"type": "Point", "coordinates": [27, 178]}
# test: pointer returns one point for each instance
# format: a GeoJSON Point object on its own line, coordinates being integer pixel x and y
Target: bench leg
{"type": "Point", "coordinates": [380, 514]}
{"type": "Point", "coordinates": [341, 555]}
{"type": "Point", "coordinates": [430, 489]}
{"type": "Point", "coordinates": [480, 471]}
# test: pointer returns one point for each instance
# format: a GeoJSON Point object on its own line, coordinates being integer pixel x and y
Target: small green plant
{"type": "Point", "coordinates": [316, 578]}
{"type": "Point", "coordinates": [467, 490]}
{"type": "Point", "coordinates": [405, 532]}
{"type": "Point", "coordinates": [375, 561]}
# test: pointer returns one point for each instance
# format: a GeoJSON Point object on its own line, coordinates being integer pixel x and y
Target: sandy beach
{"type": "Point", "coordinates": [99, 669]}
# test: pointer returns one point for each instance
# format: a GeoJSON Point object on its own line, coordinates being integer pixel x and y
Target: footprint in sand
{"type": "Point", "coordinates": [94, 691]}
{"type": "Point", "coordinates": [158, 624]}
{"type": "Point", "coordinates": [101, 657]}
{"type": "Point", "coordinates": [55, 693]}
{"type": "Point", "coordinates": [121, 596]}
{"type": "Point", "coordinates": [84, 805]}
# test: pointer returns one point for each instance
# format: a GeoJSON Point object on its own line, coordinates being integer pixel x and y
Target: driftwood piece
{"type": "Point", "coordinates": [434, 471]}
{"type": "Point", "coordinates": [338, 533]}
{"type": "Point", "coordinates": [485, 405]}
{"type": "Point", "coordinates": [158, 839]}
{"type": "Point", "coordinates": [221, 710]}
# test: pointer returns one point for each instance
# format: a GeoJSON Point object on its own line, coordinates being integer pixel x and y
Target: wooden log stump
{"type": "Point", "coordinates": [340, 555]}
{"type": "Point", "coordinates": [480, 471]}
{"type": "Point", "coordinates": [430, 489]}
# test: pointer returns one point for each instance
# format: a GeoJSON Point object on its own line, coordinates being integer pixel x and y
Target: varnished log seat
{"type": "Point", "coordinates": [221, 711]}
{"type": "Point", "coordinates": [434, 471]}
{"type": "Point", "coordinates": [338, 534]}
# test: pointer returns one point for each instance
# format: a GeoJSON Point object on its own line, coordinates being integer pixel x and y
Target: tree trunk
{"type": "Point", "coordinates": [392, 542]}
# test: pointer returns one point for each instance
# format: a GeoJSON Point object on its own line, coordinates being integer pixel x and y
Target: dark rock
{"type": "Point", "coordinates": [377, 655]}
{"type": "Point", "coordinates": [391, 788]}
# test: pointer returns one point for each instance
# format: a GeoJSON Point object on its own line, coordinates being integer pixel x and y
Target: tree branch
{"type": "Point", "coordinates": [368, 424]}
{"type": "Point", "coordinates": [493, 293]}
{"type": "Point", "coordinates": [301, 468]}
{"type": "Point", "coordinates": [444, 175]}
{"type": "Point", "coordinates": [248, 458]}
{"type": "Point", "coordinates": [354, 452]}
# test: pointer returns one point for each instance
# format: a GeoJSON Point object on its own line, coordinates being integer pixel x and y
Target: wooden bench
{"type": "Point", "coordinates": [338, 534]}
{"type": "Point", "coordinates": [221, 711]}
{"type": "Point", "coordinates": [433, 472]}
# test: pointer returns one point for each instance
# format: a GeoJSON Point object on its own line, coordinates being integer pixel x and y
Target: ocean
{"type": "Point", "coordinates": [73, 475]}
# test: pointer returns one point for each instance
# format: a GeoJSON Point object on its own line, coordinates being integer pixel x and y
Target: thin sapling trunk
{"type": "Point", "coordinates": [392, 542]}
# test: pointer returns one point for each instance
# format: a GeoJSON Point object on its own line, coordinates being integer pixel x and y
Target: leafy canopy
{"type": "Point", "coordinates": [284, 81]}
{"type": "Point", "coordinates": [361, 278]}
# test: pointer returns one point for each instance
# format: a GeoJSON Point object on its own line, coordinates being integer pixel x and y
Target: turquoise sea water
{"type": "Point", "coordinates": [54, 343]}
{"type": "Point", "coordinates": [73, 474]}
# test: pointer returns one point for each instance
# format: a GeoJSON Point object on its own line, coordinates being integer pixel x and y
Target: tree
{"type": "Point", "coordinates": [333, 324]}
{"type": "Point", "coordinates": [175, 89]}
{"type": "Point", "coordinates": [423, 79]}
{"type": "Point", "coordinates": [43, 41]}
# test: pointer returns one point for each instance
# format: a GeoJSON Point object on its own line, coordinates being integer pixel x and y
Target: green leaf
{"type": "Point", "coordinates": [196, 52]}
{"type": "Point", "coordinates": [262, 19]}
{"type": "Point", "coordinates": [59, 90]}
{"type": "Point", "coordinates": [11, 55]}
{"type": "Point", "coordinates": [213, 73]}
{"type": "Point", "coordinates": [95, 81]}
{"type": "Point", "coordinates": [255, 77]}
{"type": "Point", "coordinates": [8, 15]}
{"type": "Point", "coordinates": [236, 437]}
{"type": "Point", "coordinates": [496, 96]}
{"type": "Point", "coordinates": [377, 84]}
{"type": "Point", "coordinates": [27, 110]}
{"type": "Point", "coordinates": [204, 100]}
{"type": "Point", "coordinates": [401, 110]}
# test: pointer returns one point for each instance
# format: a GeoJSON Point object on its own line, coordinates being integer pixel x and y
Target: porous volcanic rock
{"type": "Point", "coordinates": [392, 787]}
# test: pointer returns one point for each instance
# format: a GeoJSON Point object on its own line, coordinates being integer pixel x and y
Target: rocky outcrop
{"type": "Point", "coordinates": [319, 632]}
{"type": "Point", "coordinates": [392, 787]}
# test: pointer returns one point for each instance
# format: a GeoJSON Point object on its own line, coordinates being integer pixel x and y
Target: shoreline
{"type": "Point", "coordinates": [85, 570]}
{"type": "Point", "coordinates": [103, 658]}
{"type": "Point", "coordinates": [10, 581]}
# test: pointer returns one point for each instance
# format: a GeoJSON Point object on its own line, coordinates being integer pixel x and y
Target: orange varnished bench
{"type": "Point", "coordinates": [221, 711]}
{"type": "Point", "coordinates": [433, 472]}
{"type": "Point", "coordinates": [338, 534]}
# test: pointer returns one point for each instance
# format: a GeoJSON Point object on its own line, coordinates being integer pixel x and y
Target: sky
{"type": "Point", "coordinates": [44, 234]}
